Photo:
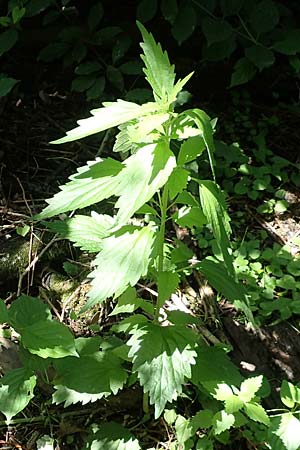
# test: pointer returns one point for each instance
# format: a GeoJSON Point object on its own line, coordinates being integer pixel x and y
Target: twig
{"type": "Point", "coordinates": [34, 261]}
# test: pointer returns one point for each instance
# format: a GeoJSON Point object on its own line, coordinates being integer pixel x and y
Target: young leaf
{"type": "Point", "coordinates": [162, 357]}
{"type": "Point", "coordinates": [214, 208]}
{"type": "Point", "coordinates": [16, 391]}
{"type": "Point", "coordinates": [48, 339]}
{"type": "Point", "coordinates": [289, 394]}
{"type": "Point", "coordinates": [88, 378]}
{"type": "Point", "coordinates": [249, 388]}
{"type": "Point", "coordinates": [145, 173]}
{"type": "Point", "coordinates": [257, 413]}
{"type": "Point", "coordinates": [86, 232]}
{"type": "Point", "coordinates": [289, 431]}
{"type": "Point", "coordinates": [111, 115]}
{"type": "Point", "coordinates": [93, 183]}
{"type": "Point", "coordinates": [222, 422]}
{"type": "Point", "coordinates": [159, 72]}
{"type": "Point", "coordinates": [224, 283]}
{"type": "Point", "coordinates": [124, 259]}
{"type": "Point", "coordinates": [111, 436]}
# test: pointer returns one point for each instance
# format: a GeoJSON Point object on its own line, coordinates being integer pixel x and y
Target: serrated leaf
{"type": "Point", "coordinates": [125, 325]}
{"type": "Point", "coordinates": [129, 302]}
{"type": "Point", "coordinates": [203, 419]}
{"type": "Point", "coordinates": [223, 392]}
{"type": "Point", "coordinates": [16, 391]}
{"type": "Point", "coordinates": [123, 260]}
{"type": "Point", "coordinates": [177, 181]}
{"type": "Point", "coordinates": [190, 216]}
{"type": "Point", "coordinates": [111, 436]}
{"type": "Point", "coordinates": [249, 388]}
{"type": "Point", "coordinates": [91, 184]}
{"type": "Point", "coordinates": [191, 149]}
{"type": "Point", "coordinates": [26, 311]}
{"type": "Point", "coordinates": [289, 394]}
{"type": "Point", "coordinates": [167, 284]}
{"type": "Point", "coordinates": [224, 283]}
{"type": "Point", "coordinates": [159, 72]}
{"type": "Point", "coordinates": [214, 208]}
{"type": "Point", "coordinates": [145, 173]}
{"type": "Point", "coordinates": [216, 30]}
{"type": "Point", "coordinates": [111, 115]}
{"type": "Point", "coordinates": [289, 431]}
{"type": "Point", "coordinates": [222, 422]}
{"type": "Point", "coordinates": [233, 404]}
{"type": "Point", "coordinates": [162, 357]}
{"type": "Point", "coordinates": [260, 56]}
{"type": "Point", "coordinates": [145, 125]}
{"type": "Point", "coordinates": [262, 22]}
{"type": "Point", "coordinates": [204, 443]}
{"type": "Point", "coordinates": [257, 413]}
{"type": "Point", "coordinates": [185, 23]}
{"type": "Point", "coordinates": [244, 71]}
{"type": "Point", "coordinates": [48, 339]}
{"type": "Point", "coordinates": [290, 45]}
{"type": "Point", "coordinates": [7, 40]}
{"type": "Point", "coordinates": [88, 378]}
{"type": "Point", "coordinates": [86, 232]}
{"type": "Point", "coordinates": [146, 10]}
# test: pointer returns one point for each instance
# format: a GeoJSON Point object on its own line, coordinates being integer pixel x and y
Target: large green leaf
{"type": "Point", "coordinates": [111, 436]}
{"type": "Point", "coordinates": [26, 311]}
{"type": "Point", "coordinates": [145, 173]}
{"type": "Point", "coordinates": [48, 339]}
{"type": "Point", "coordinates": [289, 431]}
{"type": "Point", "coordinates": [216, 30]}
{"type": "Point", "coordinates": [160, 74]}
{"type": "Point", "coordinates": [111, 115]}
{"type": "Point", "coordinates": [88, 378]}
{"type": "Point", "coordinates": [86, 232]}
{"type": "Point", "coordinates": [224, 283]}
{"type": "Point", "coordinates": [16, 391]}
{"type": "Point", "coordinates": [162, 357]}
{"type": "Point", "coordinates": [124, 259]}
{"type": "Point", "coordinates": [214, 208]}
{"type": "Point", "coordinates": [94, 182]}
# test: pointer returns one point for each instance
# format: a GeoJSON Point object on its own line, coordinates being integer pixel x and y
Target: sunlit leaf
{"type": "Point", "coordinates": [111, 436]}
{"type": "Point", "coordinates": [250, 387]}
{"type": "Point", "coordinates": [289, 431]}
{"type": "Point", "coordinates": [222, 421]}
{"type": "Point", "coordinates": [257, 413]}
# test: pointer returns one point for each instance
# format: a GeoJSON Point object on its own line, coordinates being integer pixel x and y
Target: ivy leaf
{"type": "Point", "coordinates": [48, 339]}
{"type": "Point", "coordinates": [244, 71]}
{"type": "Point", "coordinates": [123, 260]}
{"type": "Point", "coordinates": [111, 436]}
{"type": "Point", "coordinates": [216, 30]}
{"type": "Point", "coordinates": [222, 421]}
{"type": "Point", "coordinates": [177, 181]}
{"type": "Point", "coordinates": [289, 431]}
{"type": "Point", "coordinates": [111, 115]}
{"type": "Point", "coordinates": [145, 173]}
{"type": "Point", "coordinates": [160, 74]}
{"type": "Point", "coordinates": [26, 311]}
{"type": "Point", "coordinates": [190, 150]}
{"type": "Point", "coordinates": [249, 388]}
{"type": "Point", "coordinates": [86, 232]}
{"type": "Point", "coordinates": [224, 283]}
{"type": "Point", "coordinates": [257, 413]}
{"type": "Point", "coordinates": [16, 391]}
{"type": "Point", "coordinates": [88, 378]}
{"type": "Point", "coordinates": [214, 208]}
{"type": "Point", "coordinates": [92, 183]}
{"type": "Point", "coordinates": [260, 56]}
{"type": "Point", "coordinates": [162, 357]}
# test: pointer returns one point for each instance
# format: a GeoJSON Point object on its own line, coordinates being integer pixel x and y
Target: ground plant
{"type": "Point", "coordinates": [149, 187]}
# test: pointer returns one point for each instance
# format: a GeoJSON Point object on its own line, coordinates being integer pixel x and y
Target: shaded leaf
{"type": "Point", "coordinates": [290, 45]}
{"type": "Point", "coordinates": [231, 7]}
{"type": "Point", "coordinates": [26, 311]}
{"type": "Point", "coordinates": [4, 318]}
{"type": "Point", "coordinates": [167, 284]}
{"type": "Point", "coordinates": [216, 30]}
{"type": "Point", "coordinates": [169, 9]}
{"type": "Point", "coordinates": [7, 40]}
{"type": "Point", "coordinates": [262, 22]}
{"type": "Point", "coordinates": [244, 71]}
{"type": "Point", "coordinates": [111, 436]}
{"type": "Point", "coordinates": [16, 391]}
{"type": "Point", "coordinates": [95, 15]}
{"type": "Point", "coordinates": [190, 149]}
{"type": "Point", "coordinates": [177, 181]}
{"type": "Point", "coordinates": [184, 24]}
{"type": "Point", "coordinates": [162, 357]}
{"type": "Point", "coordinates": [115, 77]}
{"type": "Point", "coordinates": [6, 85]}
{"type": "Point", "coordinates": [260, 56]}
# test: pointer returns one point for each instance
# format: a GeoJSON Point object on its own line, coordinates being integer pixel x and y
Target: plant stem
{"type": "Point", "coordinates": [161, 237]}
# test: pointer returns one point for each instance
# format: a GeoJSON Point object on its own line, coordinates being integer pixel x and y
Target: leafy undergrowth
{"type": "Point", "coordinates": [146, 369]}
